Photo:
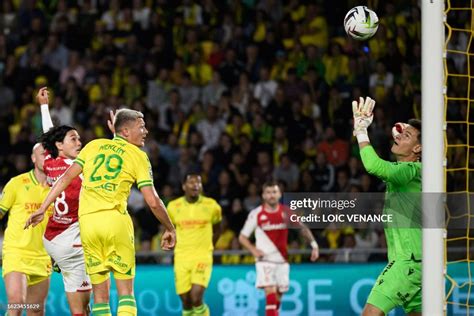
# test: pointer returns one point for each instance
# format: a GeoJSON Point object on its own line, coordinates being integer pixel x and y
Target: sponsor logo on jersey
{"type": "Point", "coordinates": [269, 226]}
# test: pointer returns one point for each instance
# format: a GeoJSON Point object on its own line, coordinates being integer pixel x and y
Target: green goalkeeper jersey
{"type": "Point", "coordinates": [404, 240]}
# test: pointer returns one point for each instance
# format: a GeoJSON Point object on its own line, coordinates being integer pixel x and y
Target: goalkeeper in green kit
{"type": "Point", "coordinates": [399, 284]}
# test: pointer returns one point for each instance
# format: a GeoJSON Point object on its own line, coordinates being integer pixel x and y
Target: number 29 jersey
{"type": "Point", "coordinates": [109, 168]}
{"type": "Point", "coordinates": [67, 203]}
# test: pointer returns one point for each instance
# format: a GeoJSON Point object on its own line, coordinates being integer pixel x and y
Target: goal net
{"type": "Point", "coordinates": [459, 165]}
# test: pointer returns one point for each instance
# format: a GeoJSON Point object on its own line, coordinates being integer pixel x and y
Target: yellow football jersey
{"type": "Point", "coordinates": [21, 197]}
{"type": "Point", "coordinates": [193, 222]}
{"type": "Point", "coordinates": [109, 168]}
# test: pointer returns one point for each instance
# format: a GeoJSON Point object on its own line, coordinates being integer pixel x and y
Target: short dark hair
{"type": "Point", "coordinates": [416, 124]}
{"type": "Point", "coordinates": [189, 175]}
{"type": "Point", "coordinates": [270, 183]}
{"type": "Point", "coordinates": [55, 134]}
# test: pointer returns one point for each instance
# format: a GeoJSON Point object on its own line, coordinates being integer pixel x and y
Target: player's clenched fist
{"type": "Point", "coordinates": [168, 240]}
{"type": "Point", "coordinates": [42, 96]}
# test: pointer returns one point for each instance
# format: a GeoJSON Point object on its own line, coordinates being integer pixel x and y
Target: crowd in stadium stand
{"type": "Point", "coordinates": [237, 91]}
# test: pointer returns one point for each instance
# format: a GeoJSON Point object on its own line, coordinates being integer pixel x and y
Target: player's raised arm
{"type": "Point", "coordinates": [56, 190]}
{"type": "Point", "coordinates": [159, 210]}
{"type": "Point", "coordinates": [43, 100]}
{"type": "Point", "coordinates": [402, 133]}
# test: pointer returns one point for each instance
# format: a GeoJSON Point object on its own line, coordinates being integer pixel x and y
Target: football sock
{"type": "Point", "coordinates": [101, 309]}
{"type": "Point", "coordinates": [271, 306]}
{"type": "Point", "coordinates": [127, 306]}
{"type": "Point", "coordinates": [202, 310]}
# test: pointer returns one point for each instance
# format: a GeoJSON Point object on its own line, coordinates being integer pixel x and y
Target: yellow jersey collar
{"type": "Point", "coordinates": [33, 177]}
{"type": "Point", "coordinates": [118, 137]}
{"type": "Point", "coordinates": [198, 200]}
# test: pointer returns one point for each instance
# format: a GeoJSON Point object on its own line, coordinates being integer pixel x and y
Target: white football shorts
{"type": "Point", "coordinates": [66, 251]}
{"type": "Point", "coordinates": [273, 274]}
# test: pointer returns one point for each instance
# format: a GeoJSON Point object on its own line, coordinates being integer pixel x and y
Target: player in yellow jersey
{"type": "Point", "coordinates": [109, 168]}
{"type": "Point", "coordinates": [26, 264]}
{"type": "Point", "coordinates": [194, 216]}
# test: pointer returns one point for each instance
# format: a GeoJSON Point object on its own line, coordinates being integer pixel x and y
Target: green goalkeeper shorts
{"type": "Point", "coordinates": [399, 284]}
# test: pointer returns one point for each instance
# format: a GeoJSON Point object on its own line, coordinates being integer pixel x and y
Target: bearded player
{"type": "Point", "coordinates": [270, 224]}
{"type": "Point", "coordinates": [399, 284]}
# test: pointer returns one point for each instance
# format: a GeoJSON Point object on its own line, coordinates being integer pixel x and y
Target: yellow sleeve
{"type": "Point", "coordinates": [170, 209]}
{"type": "Point", "coordinates": [81, 158]}
{"type": "Point", "coordinates": [216, 213]}
{"type": "Point", "coordinates": [8, 197]}
{"type": "Point", "coordinates": [144, 172]}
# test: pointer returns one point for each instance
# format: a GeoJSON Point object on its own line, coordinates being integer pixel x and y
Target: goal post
{"type": "Point", "coordinates": [432, 85]}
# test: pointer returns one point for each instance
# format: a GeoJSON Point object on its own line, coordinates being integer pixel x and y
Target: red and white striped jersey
{"type": "Point", "coordinates": [67, 204]}
{"type": "Point", "coordinates": [271, 232]}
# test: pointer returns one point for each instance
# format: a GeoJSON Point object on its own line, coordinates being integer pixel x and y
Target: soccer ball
{"type": "Point", "coordinates": [361, 23]}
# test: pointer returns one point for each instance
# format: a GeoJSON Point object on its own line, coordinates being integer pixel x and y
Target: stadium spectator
{"type": "Point", "coordinates": [224, 242]}
{"type": "Point", "coordinates": [288, 172]}
{"type": "Point", "coordinates": [55, 54]}
{"type": "Point", "coordinates": [212, 91]}
{"type": "Point", "coordinates": [265, 88]}
{"type": "Point", "coordinates": [335, 149]}
{"type": "Point", "coordinates": [210, 128]}
{"type": "Point", "coordinates": [252, 200]}
{"type": "Point", "coordinates": [263, 170]}
{"type": "Point", "coordinates": [62, 113]}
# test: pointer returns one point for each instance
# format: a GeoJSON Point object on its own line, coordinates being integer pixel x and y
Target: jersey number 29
{"type": "Point", "coordinates": [113, 166]}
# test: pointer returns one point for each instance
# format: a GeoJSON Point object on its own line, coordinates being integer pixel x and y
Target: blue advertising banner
{"type": "Point", "coordinates": [315, 289]}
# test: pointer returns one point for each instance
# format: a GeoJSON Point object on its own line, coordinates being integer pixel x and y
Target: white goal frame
{"type": "Point", "coordinates": [433, 125]}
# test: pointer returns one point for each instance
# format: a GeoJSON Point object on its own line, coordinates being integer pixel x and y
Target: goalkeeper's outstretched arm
{"type": "Point", "coordinates": [385, 170]}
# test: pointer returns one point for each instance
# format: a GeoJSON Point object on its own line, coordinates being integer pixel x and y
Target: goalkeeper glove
{"type": "Point", "coordinates": [398, 128]}
{"type": "Point", "coordinates": [363, 117]}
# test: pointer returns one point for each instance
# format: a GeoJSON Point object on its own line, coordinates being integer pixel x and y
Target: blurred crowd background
{"type": "Point", "coordinates": [238, 91]}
